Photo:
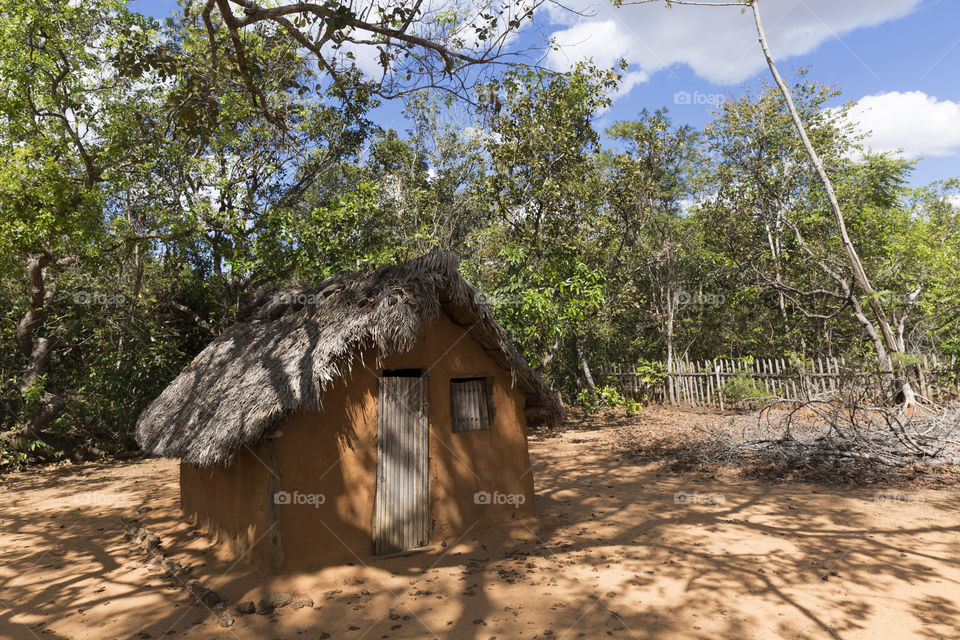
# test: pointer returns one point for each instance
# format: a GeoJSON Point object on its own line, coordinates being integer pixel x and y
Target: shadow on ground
{"type": "Point", "coordinates": [616, 550]}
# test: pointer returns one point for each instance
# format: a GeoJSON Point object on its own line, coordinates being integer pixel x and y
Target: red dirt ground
{"type": "Point", "coordinates": [617, 550]}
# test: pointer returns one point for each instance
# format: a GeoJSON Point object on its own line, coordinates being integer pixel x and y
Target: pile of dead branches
{"type": "Point", "coordinates": [842, 435]}
{"type": "Point", "coordinates": [861, 419]}
{"type": "Point", "coordinates": [830, 427]}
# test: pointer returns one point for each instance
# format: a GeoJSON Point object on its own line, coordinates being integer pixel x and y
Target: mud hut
{"type": "Point", "coordinates": [377, 412]}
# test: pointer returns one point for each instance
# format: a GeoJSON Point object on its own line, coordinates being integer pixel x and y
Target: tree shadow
{"type": "Point", "coordinates": [615, 550]}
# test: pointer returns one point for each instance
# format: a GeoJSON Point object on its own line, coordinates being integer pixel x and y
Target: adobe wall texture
{"type": "Point", "coordinates": [333, 453]}
{"type": "Point", "coordinates": [231, 504]}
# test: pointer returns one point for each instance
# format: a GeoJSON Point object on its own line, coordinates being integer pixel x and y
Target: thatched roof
{"type": "Point", "coordinates": [290, 344]}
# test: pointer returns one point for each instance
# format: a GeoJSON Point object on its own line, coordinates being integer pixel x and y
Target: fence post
{"type": "Point", "coordinates": [716, 370]}
{"type": "Point", "coordinates": [709, 378]}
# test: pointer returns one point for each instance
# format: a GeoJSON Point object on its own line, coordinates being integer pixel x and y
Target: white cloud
{"type": "Point", "coordinates": [917, 124]}
{"type": "Point", "coordinates": [629, 81]}
{"type": "Point", "coordinates": [606, 45]}
{"type": "Point", "coordinates": [718, 43]}
{"type": "Point", "coordinates": [604, 41]}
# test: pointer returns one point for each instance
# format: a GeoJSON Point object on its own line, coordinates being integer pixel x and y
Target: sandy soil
{"type": "Point", "coordinates": [616, 550]}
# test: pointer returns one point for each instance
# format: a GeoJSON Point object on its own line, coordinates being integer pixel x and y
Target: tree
{"type": "Point", "coordinates": [885, 343]}
{"type": "Point", "coordinates": [650, 182]}
{"type": "Point", "coordinates": [544, 191]}
{"type": "Point", "coordinates": [57, 123]}
{"type": "Point", "coordinates": [415, 44]}
{"type": "Point", "coordinates": [136, 186]}
{"type": "Point", "coordinates": [931, 250]}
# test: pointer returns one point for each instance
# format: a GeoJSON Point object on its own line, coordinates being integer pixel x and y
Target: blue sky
{"type": "Point", "coordinates": [900, 59]}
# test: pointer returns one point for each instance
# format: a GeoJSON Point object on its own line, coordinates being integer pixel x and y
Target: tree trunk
{"type": "Point", "coordinates": [670, 309]}
{"type": "Point", "coordinates": [775, 247]}
{"type": "Point", "coordinates": [671, 394]}
{"type": "Point", "coordinates": [37, 351]}
{"type": "Point", "coordinates": [582, 354]}
{"type": "Point", "coordinates": [551, 354]}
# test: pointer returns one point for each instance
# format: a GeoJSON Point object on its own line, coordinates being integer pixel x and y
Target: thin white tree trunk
{"type": "Point", "coordinates": [859, 273]}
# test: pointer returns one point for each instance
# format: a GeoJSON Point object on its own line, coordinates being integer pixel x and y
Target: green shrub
{"type": "Point", "coordinates": [743, 389]}
{"type": "Point", "coordinates": [607, 396]}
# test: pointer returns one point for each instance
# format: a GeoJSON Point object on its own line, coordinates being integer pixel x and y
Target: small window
{"type": "Point", "coordinates": [471, 405]}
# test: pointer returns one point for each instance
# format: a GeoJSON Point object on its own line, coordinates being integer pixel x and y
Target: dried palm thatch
{"type": "Point", "coordinates": [289, 345]}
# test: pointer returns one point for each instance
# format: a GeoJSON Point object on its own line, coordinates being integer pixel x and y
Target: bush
{"type": "Point", "coordinates": [744, 389]}
{"type": "Point", "coordinates": [607, 396]}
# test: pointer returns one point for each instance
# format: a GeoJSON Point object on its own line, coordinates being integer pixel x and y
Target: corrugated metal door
{"type": "Point", "coordinates": [401, 517]}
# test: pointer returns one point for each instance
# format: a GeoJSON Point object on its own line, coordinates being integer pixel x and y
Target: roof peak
{"type": "Point", "coordinates": [289, 344]}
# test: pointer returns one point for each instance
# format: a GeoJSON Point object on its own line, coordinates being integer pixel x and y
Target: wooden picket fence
{"type": "Point", "coordinates": [706, 383]}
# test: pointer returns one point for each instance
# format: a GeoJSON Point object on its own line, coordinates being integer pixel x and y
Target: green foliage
{"type": "Point", "coordinates": [143, 178]}
{"type": "Point", "coordinates": [651, 372]}
{"type": "Point", "coordinates": [184, 196]}
{"type": "Point", "coordinates": [13, 460]}
{"type": "Point", "coordinates": [743, 389]}
{"type": "Point", "coordinates": [607, 396]}
{"type": "Point", "coordinates": [906, 359]}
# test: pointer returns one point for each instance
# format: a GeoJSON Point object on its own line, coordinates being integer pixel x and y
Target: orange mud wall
{"type": "Point", "coordinates": [333, 453]}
